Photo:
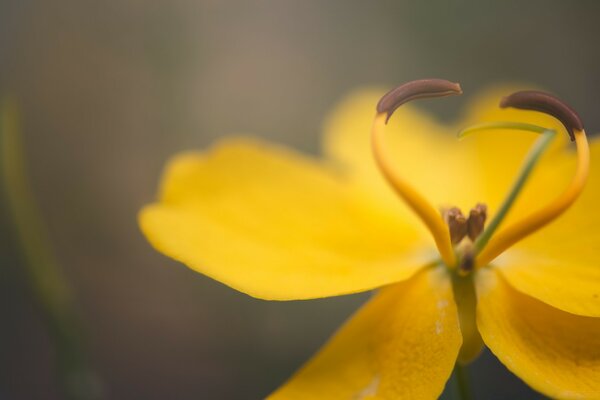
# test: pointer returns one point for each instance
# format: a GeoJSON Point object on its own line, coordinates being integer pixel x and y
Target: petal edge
{"type": "Point", "coordinates": [389, 349]}
{"type": "Point", "coordinates": [277, 225]}
{"type": "Point", "coordinates": [555, 352]}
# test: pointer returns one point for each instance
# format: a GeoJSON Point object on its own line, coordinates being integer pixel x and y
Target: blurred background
{"type": "Point", "coordinates": [108, 90]}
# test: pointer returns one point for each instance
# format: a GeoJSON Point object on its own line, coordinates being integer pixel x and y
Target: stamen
{"type": "Point", "coordinates": [530, 161]}
{"type": "Point", "coordinates": [457, 223]}
{"type": "Point", "coordinates": [544, 102]}
{"type": "Point", "coordinates": [385, 108]}
{"type": "Point", "coordinates": [477, 217]}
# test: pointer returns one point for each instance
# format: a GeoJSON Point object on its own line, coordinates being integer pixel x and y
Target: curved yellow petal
{"type": "Point", "coordinates": [555, 352]}
{"type": "Point", "coordinates": [560, 264]}
{"type": "Point", "coordinates": [401, 345]}
{"type": "Point", "coordinates": [276, 225]}
{"type": "Point", "coordinates": [448, 171]}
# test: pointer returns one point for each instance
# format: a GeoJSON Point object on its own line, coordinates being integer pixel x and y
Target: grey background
{"type": "Point", "coordinates": [108, 90]}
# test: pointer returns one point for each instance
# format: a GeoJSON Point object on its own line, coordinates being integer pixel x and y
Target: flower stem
{"type": "Point", "coordinates": [462, 382]}
{"type": "Point", "coordinates": [43, 271]}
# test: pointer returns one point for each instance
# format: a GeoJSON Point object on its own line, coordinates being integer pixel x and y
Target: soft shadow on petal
{"type": "Point", "coordinates": [560, 264]}
{"type": "Point", "coordinates": [555, 352]}
{"type": "Point", "coordinates": [277, 225]}
{"type": "Point", "coordinates": [401, 345]}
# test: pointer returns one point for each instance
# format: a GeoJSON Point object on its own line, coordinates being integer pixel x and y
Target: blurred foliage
{"type": "Point", "coordinates": [43, 272]}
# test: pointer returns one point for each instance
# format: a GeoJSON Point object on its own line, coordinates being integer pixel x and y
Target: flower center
{"type": "Point", "coordinates": [450, 227]}
{"type": "Point", "coordinates": [466, 243]}
{"type": "Point", "coordinates": [464, 232]}
{"type": "Point", "coordinates": [461, 226]}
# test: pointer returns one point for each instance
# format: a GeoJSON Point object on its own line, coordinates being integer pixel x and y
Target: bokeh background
{"type": "Point", "coordinates": [108, 90]}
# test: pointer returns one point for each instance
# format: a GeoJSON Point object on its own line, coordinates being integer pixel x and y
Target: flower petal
{"type": "Point", "coordinates": [402, 344]}
{"type": "Point", "coordinates": [560, 264]}
{"type": "Point", "coordinates": [555, 352]}
{"type": "Point", "coordinates": [277, 225]}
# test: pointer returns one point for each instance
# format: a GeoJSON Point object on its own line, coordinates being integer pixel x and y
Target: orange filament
{"type": "Point", "coordinates": [426, 212]}
{"type": "Point", "coordinates": [540, 218]}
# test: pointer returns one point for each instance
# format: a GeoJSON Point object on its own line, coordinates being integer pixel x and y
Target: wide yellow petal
{"type": "Point", "coordinates": [276, 225]}
{"type": "Point", "coordinates": [401, 345]}
{"type": "Point", "coordinates": [555, 352]}
{"type": "Point", "coordinates": [448, 171]}
{"type": "Point", "coordinates": [560, 264]}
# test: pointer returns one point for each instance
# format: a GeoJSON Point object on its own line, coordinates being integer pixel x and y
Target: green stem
{"type": "Point", "coordinates": [536, 151]}
{"type": "Point", "coordinates": [44, 274]}
{"type": "Point", "coordinates": [463, 386]}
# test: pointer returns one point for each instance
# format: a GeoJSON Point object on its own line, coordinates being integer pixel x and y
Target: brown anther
{"type": "Point", "coordinates": [457, 224]}
{"type": "Point", "coordinates": [420, 89]}
{"type": "Point", "coordinates": [546, 103]}
{"type": "Point", "coordinates": [476, 222]}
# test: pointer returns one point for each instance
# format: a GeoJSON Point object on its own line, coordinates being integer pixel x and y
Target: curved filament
{"type": "Point", "coordinates": [531, 160]}
{"type": "Point", "coordinates": [430, 216]}
{"type": "Point", "coordinates": [538, 219]}
{"type": "Point", "coordinates": [543, 102]}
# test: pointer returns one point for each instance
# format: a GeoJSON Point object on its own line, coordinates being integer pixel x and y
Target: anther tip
{"type": "Point", "coordinates": [544, 102]}
{"type": "Point", "coordinates": [419, 89]}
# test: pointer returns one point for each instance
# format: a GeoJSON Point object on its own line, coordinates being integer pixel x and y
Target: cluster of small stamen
{"type": "Point", "coordinates": [461, 226]}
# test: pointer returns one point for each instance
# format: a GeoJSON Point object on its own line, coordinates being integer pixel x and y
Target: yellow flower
{"type": "Point", "coordinates": [278, 225]}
